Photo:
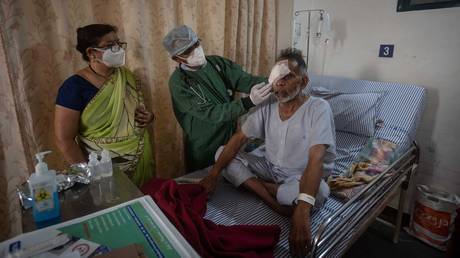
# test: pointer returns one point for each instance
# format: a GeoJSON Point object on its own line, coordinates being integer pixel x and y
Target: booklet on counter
{"type": "Point", "coordinates": [135, 225]}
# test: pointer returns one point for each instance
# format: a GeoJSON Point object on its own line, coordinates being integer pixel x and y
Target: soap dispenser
{"type": "Point", "coordinates": [93, 165]}
{"type": "Point", "coordinates": [43, 189]}
{"type": "Point", "coordinates": [106, 164]}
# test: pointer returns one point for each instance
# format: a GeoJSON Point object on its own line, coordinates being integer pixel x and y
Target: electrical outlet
{"type": "Point", "coordinates": [386, 50]}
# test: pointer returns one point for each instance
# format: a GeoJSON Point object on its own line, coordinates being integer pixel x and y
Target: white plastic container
{"type": "Point", "coordinates": [106, 164]}
{"type": "Point", "coordinates": [433, 216]}
{"type": "Point", "coordinates": [93, 165]}
{"type": "Point", "coordinates": [43, 189]}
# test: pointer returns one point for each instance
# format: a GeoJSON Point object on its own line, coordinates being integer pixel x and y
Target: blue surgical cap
{"type": "Point", "coordinates": [179, 39]}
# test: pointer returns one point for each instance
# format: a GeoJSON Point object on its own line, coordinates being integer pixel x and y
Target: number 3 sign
{"type": "Point", "coordinates": [386, 50]}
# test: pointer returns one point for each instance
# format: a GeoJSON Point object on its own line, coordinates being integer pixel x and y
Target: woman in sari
{"type": "Point", "coordinates": [101, 107]}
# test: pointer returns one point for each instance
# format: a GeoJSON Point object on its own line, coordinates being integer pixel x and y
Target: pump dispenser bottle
{"type": "Point", "coordinates": [43, 188]}
{"type": "Point", "coordinates": [106, 164]}
{"type": "Point", "coordinates": [93, 165]}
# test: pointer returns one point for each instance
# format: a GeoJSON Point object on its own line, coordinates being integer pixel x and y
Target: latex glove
{"type": "Point", "coordinates": [260, 92]}
{"type": "Point", "coordinates": [300, 234]}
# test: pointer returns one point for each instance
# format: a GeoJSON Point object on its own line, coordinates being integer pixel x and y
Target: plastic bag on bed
{"type": "Point", "coordinates": [374, 158]}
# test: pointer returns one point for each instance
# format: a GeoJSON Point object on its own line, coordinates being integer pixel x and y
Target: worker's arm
{"type": "Point", "coordinates": [199, 106]}
{"type": "Point", "coordinates": [66, 124]}
{"type": "Point", "coordinates": [238, 79]}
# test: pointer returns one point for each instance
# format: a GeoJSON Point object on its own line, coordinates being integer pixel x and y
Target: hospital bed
{"type": "Point", "coordinates": [394, 115]}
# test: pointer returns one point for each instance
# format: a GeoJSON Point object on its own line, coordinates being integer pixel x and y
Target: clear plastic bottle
{"type": "Point", "coordinates": [93, 165]}
{"type": "Point", "coordinates": [106, 164]}
{"type": "Point", "coordinates": [43, 188]}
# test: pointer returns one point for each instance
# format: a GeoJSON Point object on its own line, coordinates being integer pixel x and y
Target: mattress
{"type": "Point", "coordinates": [400, 109]}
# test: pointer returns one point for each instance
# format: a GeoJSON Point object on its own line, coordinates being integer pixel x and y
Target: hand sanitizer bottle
{"type": "Point", "coordinates": [93, 165]}
{"type": "Point", "coordinates": [43, 189]}
{"type": "Point", "coordinates": [106, 164]}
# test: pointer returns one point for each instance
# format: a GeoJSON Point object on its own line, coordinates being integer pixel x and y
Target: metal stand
{"type": "Point", "coordinates": [321, 12]}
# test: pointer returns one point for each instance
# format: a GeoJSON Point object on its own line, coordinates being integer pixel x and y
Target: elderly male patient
{"type": "Point", "coordinates": [300, 150]}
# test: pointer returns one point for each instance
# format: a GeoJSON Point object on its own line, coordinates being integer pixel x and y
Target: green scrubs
{"type": "Point", "coordinates": [205, 107]}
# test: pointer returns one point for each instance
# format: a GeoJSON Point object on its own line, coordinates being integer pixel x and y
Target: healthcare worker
{"type": "Point", "coordinates": [203, 96]}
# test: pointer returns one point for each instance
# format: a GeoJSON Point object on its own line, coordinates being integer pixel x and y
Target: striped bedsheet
{"type": "Point", "coordinates": [230, 206]}
{"type": "Point", "coordinates": [400, 109]}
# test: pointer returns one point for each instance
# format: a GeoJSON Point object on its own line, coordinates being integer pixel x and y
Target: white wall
{"type": "Point", "coordinates": [427, 53]}
{"type": "Point", "coordinates": [284, 24]}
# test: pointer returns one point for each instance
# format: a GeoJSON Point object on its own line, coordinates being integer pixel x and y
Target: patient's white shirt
{"type": "Point", "coordinates": [288, 142]}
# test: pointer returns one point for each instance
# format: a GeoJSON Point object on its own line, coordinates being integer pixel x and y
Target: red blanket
{"type": "Point", "coordinates": [185, 206]}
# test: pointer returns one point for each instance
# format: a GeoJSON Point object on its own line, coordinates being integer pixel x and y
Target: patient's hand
{"type": "Point", "coordinates": [300, 235]}
{"type": "Point", "coordinates": [209, 182]}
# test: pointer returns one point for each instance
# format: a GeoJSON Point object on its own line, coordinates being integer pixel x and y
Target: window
{"type": "Point", "coordinates": [411, 5]}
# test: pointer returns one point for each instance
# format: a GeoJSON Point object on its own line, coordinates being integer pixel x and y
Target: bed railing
{"type": "Point", "coordinates": [338, 232]}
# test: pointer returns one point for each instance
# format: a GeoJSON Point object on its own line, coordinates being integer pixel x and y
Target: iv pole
{"type": "Point", "coordinates": [318, 34]}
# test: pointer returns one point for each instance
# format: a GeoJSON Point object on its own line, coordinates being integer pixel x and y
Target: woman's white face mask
{"type": "Point", "coordinates": [113, 59]}
{"type": "Point", "coordinates": [196, 58]}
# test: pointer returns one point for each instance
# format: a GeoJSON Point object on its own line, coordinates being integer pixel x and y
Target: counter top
{"type": "Point", "coordinates": [81, 200]}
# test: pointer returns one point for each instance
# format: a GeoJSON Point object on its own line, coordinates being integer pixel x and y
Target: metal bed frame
{"type": "Point", "coordinates": [337, 233]}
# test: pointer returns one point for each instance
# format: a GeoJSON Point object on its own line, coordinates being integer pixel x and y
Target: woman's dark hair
{"type": "Point", "coordinates": [90, 35]}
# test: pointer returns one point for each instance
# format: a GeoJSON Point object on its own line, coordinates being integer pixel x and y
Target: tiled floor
{"type": "Point", "coordinates": [377, 242]}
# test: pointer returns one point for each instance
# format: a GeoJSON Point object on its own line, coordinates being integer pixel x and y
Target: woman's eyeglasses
{"type": "Point", "coordinates": [113, 47]}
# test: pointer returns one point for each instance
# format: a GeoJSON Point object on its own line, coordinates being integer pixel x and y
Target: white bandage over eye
{"type": "Point", "coordinates": [280, 70]}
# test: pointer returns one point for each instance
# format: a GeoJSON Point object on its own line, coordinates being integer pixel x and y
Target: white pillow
{"type": "Point", "coordinates": [353, 112]}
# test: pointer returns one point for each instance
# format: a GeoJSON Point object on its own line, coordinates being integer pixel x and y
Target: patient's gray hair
{"type": "Point", "coordinates": [294, 54]}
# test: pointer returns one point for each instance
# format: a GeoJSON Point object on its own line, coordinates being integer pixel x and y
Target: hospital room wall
{"type": "Point", "coordinates": [284, 23]}
{"type": "Point", "coordinates": [427, 53]}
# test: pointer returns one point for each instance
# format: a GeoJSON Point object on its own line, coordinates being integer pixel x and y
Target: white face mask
{"type": "Point", "coordinates": [196, 58]}
{"type": "Point", "coordinates": [113, 59]}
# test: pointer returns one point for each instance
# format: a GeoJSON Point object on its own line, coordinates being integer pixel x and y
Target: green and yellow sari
{"type": "Point", "coordinates": [107, 122]}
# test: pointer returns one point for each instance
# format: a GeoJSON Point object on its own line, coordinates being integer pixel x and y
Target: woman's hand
{"type": "Point", "coordinates": [143, 117]}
